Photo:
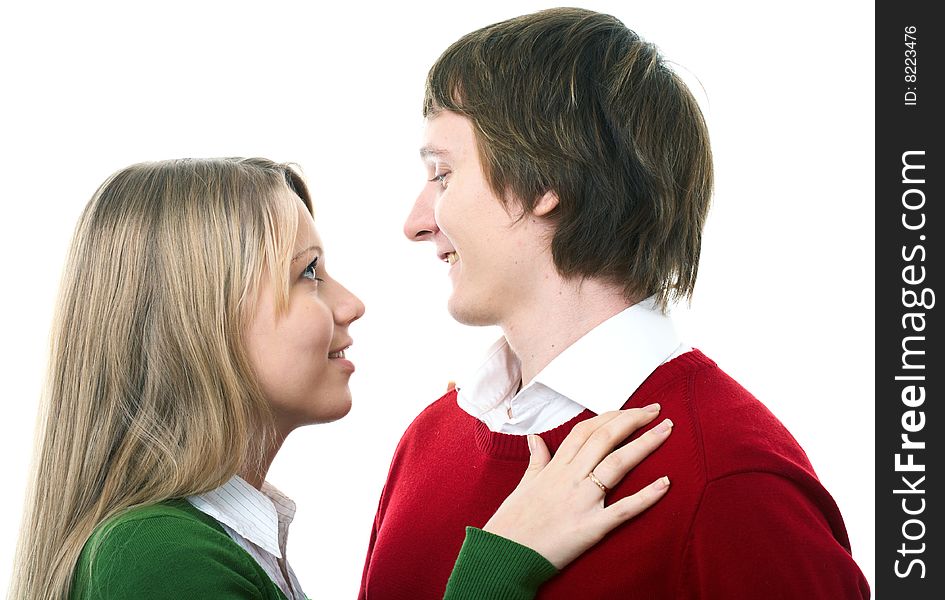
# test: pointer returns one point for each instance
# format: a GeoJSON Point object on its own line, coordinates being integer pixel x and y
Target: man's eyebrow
{"type": "Point", "coordinates": [433, 151]}
{"type": "Point", "coordinates": [301, 253]}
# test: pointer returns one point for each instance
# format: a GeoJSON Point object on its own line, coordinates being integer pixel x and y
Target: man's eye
{"type": "Point", "coordinates": [440, 178]}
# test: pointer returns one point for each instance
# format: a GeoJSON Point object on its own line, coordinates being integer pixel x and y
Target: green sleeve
{"type": "Point", "coordinates": [495, 568]}
{"type": "Point", "coordinates": [164, 557]}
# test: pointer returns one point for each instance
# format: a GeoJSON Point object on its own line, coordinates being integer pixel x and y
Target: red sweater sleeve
{"type": "Point", "coordinates": [758, 535]}
{"type": "Point", "coordinates": [378, 517]}
{"type": "Point", "coordinates": [362, 592]}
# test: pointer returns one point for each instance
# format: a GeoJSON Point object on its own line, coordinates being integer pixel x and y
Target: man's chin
{"type": "Point", "coordinates": [470, 312]}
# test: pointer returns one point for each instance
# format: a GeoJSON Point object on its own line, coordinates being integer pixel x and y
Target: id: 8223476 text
{"type": "Point", "coordinates": [911, 73]}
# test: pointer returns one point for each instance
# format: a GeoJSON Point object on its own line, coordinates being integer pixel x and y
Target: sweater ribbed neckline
{"type": "Point", "coordinates": [506, 446]}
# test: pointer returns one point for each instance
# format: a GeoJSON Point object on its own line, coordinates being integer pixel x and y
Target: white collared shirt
{"type": "Point", "coordinates": [598, 372]}
{"type": "Point", "coordinates": [257, 520]}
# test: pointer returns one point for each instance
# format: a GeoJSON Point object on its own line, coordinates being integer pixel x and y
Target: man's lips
{"type": "Point", "coordinates": [448, 257]}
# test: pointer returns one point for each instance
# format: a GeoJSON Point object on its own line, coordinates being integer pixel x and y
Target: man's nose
{"type": "Point", "coordinates": [421, 225]}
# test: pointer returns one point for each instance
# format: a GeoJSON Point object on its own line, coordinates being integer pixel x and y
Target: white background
{"type": "Point", "coordinates": [784, 301]}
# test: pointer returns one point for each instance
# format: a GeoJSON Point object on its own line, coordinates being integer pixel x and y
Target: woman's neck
{"type": "Point", "coordinates": [255, 475]}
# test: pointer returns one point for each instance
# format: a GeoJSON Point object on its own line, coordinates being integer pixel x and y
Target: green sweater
{"type": "Point", "coordinates": [172, 550]}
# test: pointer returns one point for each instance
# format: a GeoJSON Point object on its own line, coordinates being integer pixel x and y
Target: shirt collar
{"type": "Point", "coordinates": [261, 516]}
{"type": "Point", "coordinates": [599, 371]}
{"type": "Point", "coordinates": [493, 381]}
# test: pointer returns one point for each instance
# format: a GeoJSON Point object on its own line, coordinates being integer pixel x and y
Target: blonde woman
{"type": "Point", "coordinates": [196, 328]}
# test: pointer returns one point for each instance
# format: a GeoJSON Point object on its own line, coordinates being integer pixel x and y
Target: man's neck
{"type": "Point", "coordinates": [556, 317]}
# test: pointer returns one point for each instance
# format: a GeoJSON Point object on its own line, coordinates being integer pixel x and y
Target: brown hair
{"type": "Point", "coordinates": [571, 101]}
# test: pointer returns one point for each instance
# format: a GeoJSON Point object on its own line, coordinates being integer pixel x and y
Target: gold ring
{"type": "Point", "coordinates": [597, 482]}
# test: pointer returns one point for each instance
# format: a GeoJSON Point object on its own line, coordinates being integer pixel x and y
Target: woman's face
{"type": "Point", "coordinates": [298, 355]}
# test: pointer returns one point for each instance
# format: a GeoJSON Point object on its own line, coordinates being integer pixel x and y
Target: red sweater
{"type": "Point", "coordinates": [745, 518]}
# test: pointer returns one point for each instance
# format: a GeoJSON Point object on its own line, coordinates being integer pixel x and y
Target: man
{"type": "Point", "coordinates": [569, 179]}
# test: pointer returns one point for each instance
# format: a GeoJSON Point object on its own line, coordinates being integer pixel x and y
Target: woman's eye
{"type": "Point", "coordinates": [311, 271]}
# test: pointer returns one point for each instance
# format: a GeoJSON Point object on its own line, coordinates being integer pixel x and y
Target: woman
{"type": "Point", "coordinates": [196, 328]}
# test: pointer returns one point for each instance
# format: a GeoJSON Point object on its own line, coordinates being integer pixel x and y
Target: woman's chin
{"type": "Point", "coordinates": [322, 410]}
{"type": "Point", "coordinates": [329, 411]}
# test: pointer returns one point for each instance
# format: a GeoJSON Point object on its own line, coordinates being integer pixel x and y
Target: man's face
{"type": "Point", "coordinates": [492, 255]}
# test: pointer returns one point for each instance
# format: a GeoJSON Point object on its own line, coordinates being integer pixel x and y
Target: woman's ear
{"type": "Point", "coordinates": [545, 204]}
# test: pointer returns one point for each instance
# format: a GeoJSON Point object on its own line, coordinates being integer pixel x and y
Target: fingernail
{"type": "Point", "coordinates": [653, 408]}
{"type": "Point", "coordinates": [531, 443]}
{"type": "Point", "coordinates": [662, 483]}
{"type": "Point", "coordinates": [665, 426]}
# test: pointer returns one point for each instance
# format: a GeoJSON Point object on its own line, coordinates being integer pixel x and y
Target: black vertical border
{"type": "Point", "coordinates": [906, 124]}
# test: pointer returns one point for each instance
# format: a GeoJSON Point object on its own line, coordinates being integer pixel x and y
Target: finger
{"type": "Point", "coordinates": [538, 456]}
{"type": "Point", "coordinates": [580, 433]}
{"type": "Point", "coordinates": [616, 464]}
{"type": "Point", "coordinates": [600, 443]}
{"type": "Point", "coordinates": [631, 506]}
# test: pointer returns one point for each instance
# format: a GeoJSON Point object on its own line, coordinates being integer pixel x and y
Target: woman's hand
{"type": "Point", "coordinates": [558, 508]}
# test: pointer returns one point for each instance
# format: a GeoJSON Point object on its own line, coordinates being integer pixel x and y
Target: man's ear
{"type": "Point", "coordinates": [545, 204]}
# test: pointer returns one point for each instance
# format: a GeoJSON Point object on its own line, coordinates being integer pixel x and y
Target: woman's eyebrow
{"type": "Point", "coordinates": [301, 253]}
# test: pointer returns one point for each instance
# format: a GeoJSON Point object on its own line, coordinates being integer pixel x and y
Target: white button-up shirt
{"type": "Point", "coordinates": [598, 372]}
{"type": "Point", "coordinates": [257, 520]}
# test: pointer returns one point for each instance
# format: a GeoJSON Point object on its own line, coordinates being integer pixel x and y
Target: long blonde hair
{"type": "Point", "coordinates": [150, 395]}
